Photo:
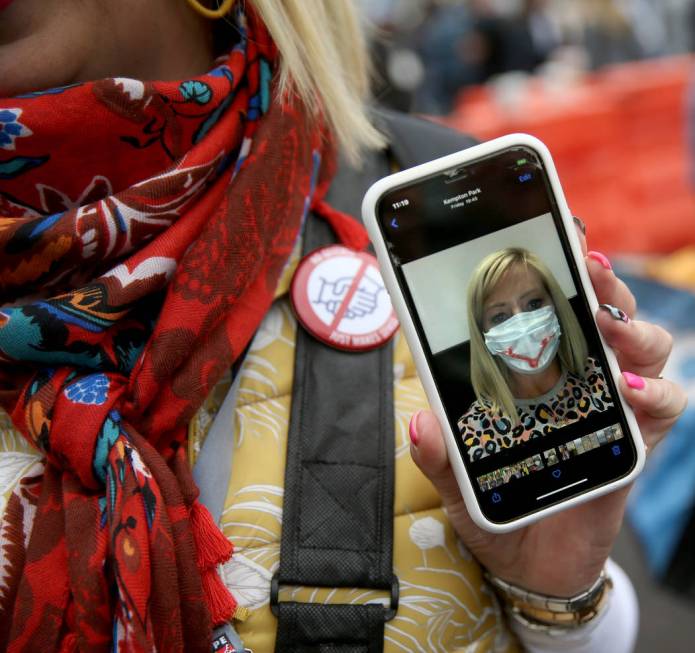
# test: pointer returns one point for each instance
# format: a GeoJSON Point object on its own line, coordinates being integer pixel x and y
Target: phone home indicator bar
{"type": "Point", "coordinates": [560, 489]}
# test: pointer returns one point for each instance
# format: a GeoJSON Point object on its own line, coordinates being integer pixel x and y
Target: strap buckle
{"type": "Point", "coordinates": [388, 615]}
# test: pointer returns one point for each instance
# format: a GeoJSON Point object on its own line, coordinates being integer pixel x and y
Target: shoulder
{"type": "Point", "coordinates": [414, 140]}
{"type": "Point", "coordinates": [410, 142]}
{"type": "Point", "coordinates": [591, 372]}
{"type": "Point", "coordinates": [472, 419]}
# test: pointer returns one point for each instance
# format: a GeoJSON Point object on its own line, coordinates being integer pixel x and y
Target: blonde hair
{"type": "Point", "coordinates": [489, 375]}
{"type": "Point", "coordinates": [324, 63]}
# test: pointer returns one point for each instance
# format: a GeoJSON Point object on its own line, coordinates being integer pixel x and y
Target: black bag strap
{"type": "Point", "coordinates": [338, 503]}
{"type": "Point", "coordinates": [337, 526]}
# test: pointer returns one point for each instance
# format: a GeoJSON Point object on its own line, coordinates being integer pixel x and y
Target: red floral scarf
{"type": "Point", "coordinates": [143, 228]}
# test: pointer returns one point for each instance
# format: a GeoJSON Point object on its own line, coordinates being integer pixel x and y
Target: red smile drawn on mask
{"type": "Point", "coordinates": [533, 362]}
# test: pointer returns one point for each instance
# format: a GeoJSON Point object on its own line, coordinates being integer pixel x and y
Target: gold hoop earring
{"type": "Point", "coordinates": [221, 11]}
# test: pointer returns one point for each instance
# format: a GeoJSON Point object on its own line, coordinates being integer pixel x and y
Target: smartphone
{"type": "Point", "coordinates": [484, 266]}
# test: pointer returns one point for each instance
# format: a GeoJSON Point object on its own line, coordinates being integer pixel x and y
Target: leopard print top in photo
{"type": "Point", "coordinates": [572, 398]}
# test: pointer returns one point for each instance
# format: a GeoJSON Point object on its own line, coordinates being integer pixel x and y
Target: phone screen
{"type": "Point", "coordinates": [482, 258]}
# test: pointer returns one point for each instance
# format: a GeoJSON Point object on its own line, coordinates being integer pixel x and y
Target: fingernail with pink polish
{"type": "Point", "coordinates": [414, 438]}
{"type": "Point", "coordinates": [634, 381]}
{"type": "Point", "coordinates": [601, 258]}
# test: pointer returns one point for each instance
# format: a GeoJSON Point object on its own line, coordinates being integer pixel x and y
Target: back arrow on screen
{"type": "Point", "coordinates": [394, 223]}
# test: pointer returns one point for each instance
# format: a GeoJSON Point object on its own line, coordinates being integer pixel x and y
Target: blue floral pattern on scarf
{"type": "Point", "coordinates": [92, 390]}
{"type": "Point", "coordinates": [10, 128]}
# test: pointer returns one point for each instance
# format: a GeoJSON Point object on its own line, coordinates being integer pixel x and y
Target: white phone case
{"type": "Point", "coordinates": [369, 204]}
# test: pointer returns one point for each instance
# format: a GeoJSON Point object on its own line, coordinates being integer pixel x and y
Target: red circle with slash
{"type": "Point", "coordinates": [339, 297]}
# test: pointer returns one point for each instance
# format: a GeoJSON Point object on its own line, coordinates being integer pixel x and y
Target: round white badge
{"type": "Point", "coordinates": [340, 298]}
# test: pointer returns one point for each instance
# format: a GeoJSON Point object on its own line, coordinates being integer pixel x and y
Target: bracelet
{"type": "Point", "coordinates": [543, 612]}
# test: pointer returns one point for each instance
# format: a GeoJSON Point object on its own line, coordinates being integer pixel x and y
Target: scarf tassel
{"type": "Point", "coordinates": [220, 602]}
{"type": "Point", "coordinates": [349, 231]}
{"type": "Point", "coordinates": [212, 549]}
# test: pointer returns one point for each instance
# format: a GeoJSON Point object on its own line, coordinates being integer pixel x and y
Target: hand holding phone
{"type": "Point", "coordinates": [563, 554]}
{"type": "Point", "coordinates": [480, 255]}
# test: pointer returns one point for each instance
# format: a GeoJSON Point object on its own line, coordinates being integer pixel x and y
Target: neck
{"type": "Point", "coordinates": [528, 386]}
{"type": "Point", "coordinates": [167, 45]}
{"type": "Point", "coordinates": [179, 45]}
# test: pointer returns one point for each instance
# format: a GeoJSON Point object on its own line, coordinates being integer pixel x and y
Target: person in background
{"type": "Point", "coordinates": [608, 35]}
{"type": "Point", "coordinates": [450, 50]}
{"type": "Point", "coordinates": [521, 40]}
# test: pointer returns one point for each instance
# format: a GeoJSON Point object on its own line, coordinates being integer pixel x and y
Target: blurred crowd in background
{"type": "Point", "coordinates": [427, 51]}
{"type": "Point", "coordinates": [609, 86]}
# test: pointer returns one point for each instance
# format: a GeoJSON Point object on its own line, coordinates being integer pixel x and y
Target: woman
{"type": "Point", "coordinates": [530, 368]}
{"type": "Point", "coordinates": [147, 228]}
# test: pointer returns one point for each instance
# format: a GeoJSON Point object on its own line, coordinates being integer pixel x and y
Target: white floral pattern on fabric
{"type": "Point", "coordinates": [249, 580]}
{"type": "Point", "coordinates": [14, 465]}
{"type": "Point", "coordinates": [269, 331]}
{"type": "Point", "coordinates": [427, 533]}
{"type": "Point", "coordinates": [19, 497]}
{"type": "Point", "coordinates": [10, 438]}
{"type": "Point", "coordinates": [17, 460]}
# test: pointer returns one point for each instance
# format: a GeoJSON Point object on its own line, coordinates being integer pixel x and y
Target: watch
{"type": "Point", "coordinates": [551, 613]}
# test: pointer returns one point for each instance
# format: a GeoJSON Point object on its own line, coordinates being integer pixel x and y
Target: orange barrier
{"type": "Point", "coordinates": [619, 140]}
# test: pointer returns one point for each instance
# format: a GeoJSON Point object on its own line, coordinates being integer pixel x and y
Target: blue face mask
{"type": "Point", "coordinates": [527, 342]}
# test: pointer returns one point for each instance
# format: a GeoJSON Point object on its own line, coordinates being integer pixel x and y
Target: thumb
{"type": "Point", "coordinates": [429, 453]}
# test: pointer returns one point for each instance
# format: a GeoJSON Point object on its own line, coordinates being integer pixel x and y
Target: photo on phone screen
{"type": "Point", "coordinates": [481, 255]}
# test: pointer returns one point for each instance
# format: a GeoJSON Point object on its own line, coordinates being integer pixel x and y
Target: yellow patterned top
{"type": "Point", "coordinates": [445, 605]}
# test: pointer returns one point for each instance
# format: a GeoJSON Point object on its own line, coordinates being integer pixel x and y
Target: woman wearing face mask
{"type": "Point", "coordinates": [529, 365]}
